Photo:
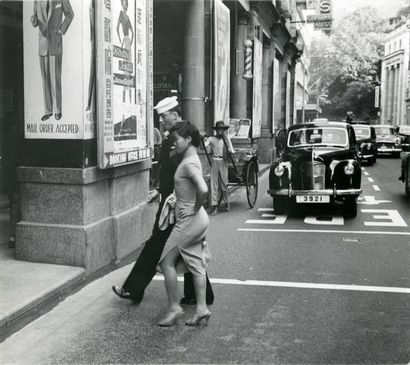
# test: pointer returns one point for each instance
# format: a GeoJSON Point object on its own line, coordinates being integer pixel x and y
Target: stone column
{"type": "Point", "coordinates": [399, 95]}
{"type": "Point", "coordinates": [238, 83]}
{"type": "Point", "coordinates": [193, 78]}
{"type": "Point", "coordinates": [384, 94]}
{"type": "Point", "coordinates": [74, 213]}
{"type": "Point", "coordinates": [390, 100]}
{"type": "Point", "coordinates": [265, 143]}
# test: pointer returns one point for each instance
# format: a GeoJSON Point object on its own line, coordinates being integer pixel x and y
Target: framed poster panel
{"type": "Point", "coordinates": [124, 82]}
{"type": "Point", "coordinates": [257, 89]}
{"type": "Point", "coordinates": [59, 72]}
{"type": "Point", "coordinates": [221, 62]}
{"type": "Point", "coordinates": [276, 95]}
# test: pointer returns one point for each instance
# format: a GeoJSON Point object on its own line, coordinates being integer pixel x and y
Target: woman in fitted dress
{"type": "Point", "coordinates": [186, 244]}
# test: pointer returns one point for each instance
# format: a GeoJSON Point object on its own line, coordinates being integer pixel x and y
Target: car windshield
{"type": "Point", "coordinates": [384, 130]}
{"type": "Point", "coordinates": [361, 132]}
{"type": "Point", "coordinates": [404, 130]}
{"type": "Point", "coordinates": [317, 136]}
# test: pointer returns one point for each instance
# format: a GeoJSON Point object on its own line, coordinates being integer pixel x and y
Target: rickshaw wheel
{"type": "Point", "coordinates": [251, 183]}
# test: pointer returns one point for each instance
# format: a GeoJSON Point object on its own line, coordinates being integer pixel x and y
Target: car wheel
{"type": "Point", "coordinates": [396, 154]}
{"type": "Point", "coordinates": [374, 159]}
{"type": "Point", "coordinates": [350, 209]}
{"type": "Point", "coordinates": [279, 204]}
{"type": "Point", "coordinates": [370, 161]}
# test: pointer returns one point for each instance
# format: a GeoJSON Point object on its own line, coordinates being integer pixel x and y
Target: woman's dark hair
{"type": "Point", "coordinates": [186, 129]}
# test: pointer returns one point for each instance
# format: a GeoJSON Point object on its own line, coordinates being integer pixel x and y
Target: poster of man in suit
{"type": "Point", "coordinates": [57, 69]}
{"type": "Point", "coordinates": [53, 19]}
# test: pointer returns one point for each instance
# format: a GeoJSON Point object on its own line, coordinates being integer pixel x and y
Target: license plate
{"type": "Point", "coordinates": [312, 199]}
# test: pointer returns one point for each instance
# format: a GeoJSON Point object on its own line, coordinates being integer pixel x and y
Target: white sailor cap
{"type": "Point", "coordinates": [166, 104]}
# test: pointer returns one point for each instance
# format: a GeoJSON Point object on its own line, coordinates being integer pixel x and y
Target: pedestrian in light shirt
{"type": "Point", "coordinates": [219, 146]}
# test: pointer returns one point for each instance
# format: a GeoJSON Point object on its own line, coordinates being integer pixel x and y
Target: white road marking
{"type": "Point", "coordinates": [363, 169]}
{"type": "Point", "coordinates": [287, 284]}
{"type": "Point", "coordinates": [376, 187]}
{"type": "Point", "coordinates": [366, 173]}
{"type": "Point", "coordinates": [370, 179]}
{"type": "Point", "coordinates": [392, 218]}
{"type": "Point", "coordinates": [387, 233]}
{"type": "Point", "coordinates": [371, 200]}
{"type": "Point", "coordinates": [265, 209]}
{"type": "Point", "coordinates": [278, 219]}
{"type": "Point", "coordinates": [332, 221]}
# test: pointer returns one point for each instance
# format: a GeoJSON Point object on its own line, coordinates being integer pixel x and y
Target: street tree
{"type": "Point", "coordinates": [342, 62]}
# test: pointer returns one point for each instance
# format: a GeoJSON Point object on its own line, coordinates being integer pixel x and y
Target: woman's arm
{"type": "Point", "coordinates": [118, 27]}
{"type": "Point", "coordinates": [202, 191]}
{"type": "Point", "coordinates": [131, 30]}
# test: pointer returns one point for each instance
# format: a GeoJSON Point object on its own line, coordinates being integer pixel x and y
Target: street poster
{"type": "Point", "coordinates": [257, 88]}
{"type": "Point", "coordinates": [222, 62]}
{"type": "Point", "coordinates": [239, 128]}
{"type": "Point", "coordinates": [59, 73]}
{"type": "Point", "coordinates": [276, 105]}
{"type": "Point", "coordinates": [124, 83]}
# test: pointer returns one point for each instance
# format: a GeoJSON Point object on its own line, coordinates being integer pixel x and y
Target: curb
{"type": "Point", "coordinates": [42, 297]}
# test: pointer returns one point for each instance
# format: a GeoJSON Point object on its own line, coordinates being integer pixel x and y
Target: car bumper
{"type": "Point", "coordinates": [329, 192]}
{"type": "Point", "coordinates": [366, 157]}
{"type": "Point", "coordinates": [388, 150]}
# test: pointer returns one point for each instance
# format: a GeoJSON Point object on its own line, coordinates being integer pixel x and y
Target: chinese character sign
{"type": "Point", "coordinates": [59, 69]}
{"type": "Point", "coordinates": [125, 37]}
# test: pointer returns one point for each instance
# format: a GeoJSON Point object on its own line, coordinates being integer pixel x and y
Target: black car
{"type": "Point", "coordinates": [404, 133]}
{"type": "Point", "coordinates": [388, 142]}
{"type": "Point", "coordinates": [320, 164]}
{"type": "Point", "coordinates": [366, 142]}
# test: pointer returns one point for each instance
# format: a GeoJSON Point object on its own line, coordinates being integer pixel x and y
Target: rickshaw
{"type": "Point", "coordinates": [243, 171]}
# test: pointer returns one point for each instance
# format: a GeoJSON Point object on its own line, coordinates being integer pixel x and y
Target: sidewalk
{"type": "Point", "coordinates": [27, 285]}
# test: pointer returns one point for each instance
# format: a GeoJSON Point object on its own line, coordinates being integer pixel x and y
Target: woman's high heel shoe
{"type": "Point", "coordinates": [171, 318]}
{"type": "Point", "coordinates": [198, 318]}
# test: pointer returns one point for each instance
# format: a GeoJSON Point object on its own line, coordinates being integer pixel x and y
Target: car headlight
{"type": "Point", "coordinates": [279, 170]}
{"type": "Point", "coordinates": [398, 140]}
{"type": "Point", "coordinates": [349, 169]}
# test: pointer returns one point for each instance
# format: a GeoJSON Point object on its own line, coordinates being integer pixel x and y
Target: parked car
{"type": "Point", "coordinates": [366, 142]}
{"type": "Point", "coordinates": [404, 132]}
{"type": "Point", "coordinates": [388, 142]}
{"type": "Point", "coordinates": [320, 164]}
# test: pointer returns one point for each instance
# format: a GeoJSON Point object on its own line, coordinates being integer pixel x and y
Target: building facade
{"type": "Point", "coordinates": [83, 196]}
{"type": "Point", "coordinates": [395, 102]}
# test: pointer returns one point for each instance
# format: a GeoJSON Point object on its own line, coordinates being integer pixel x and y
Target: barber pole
{"type": "Point", "coordinates": [248, 59]}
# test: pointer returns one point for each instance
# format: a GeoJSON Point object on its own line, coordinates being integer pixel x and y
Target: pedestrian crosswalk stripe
{"type": "Point", "coordinates": [370, 179]}
{"type": "Point", "coordinates": [285, 284]}
{"type": "Point", "coordinates": [388, 233]}
{"type": "Point", "coordinates": [376, 187]}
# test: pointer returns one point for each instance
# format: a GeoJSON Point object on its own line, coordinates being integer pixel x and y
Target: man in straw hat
{"type": "Point", "coordinates": [219, 146]}
{"type": "Point", "coordinates": [169, 112]}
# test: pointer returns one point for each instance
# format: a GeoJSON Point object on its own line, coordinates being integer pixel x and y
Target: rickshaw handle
{"type": "Point", "coordinates": [230, 156]}
{"type": "Point", "coordinates": [206, 152]}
